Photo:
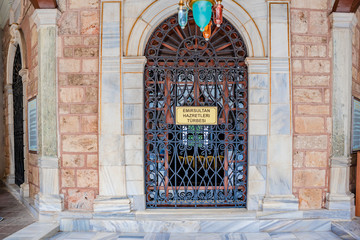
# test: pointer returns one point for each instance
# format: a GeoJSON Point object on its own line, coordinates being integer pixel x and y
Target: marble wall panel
{"type": "Point", "coordinates": [133, 111]}
{"type": "Point", "coordinates": [112, 181]}
{"type": "Point", "coordinates": [112, 146]}
{"type": "Point", "coordinates": [258, 96]}
{"type": "Point", "coordinates": [280, 119]}
{"type": "Point", "coordinates": [110, 119]}
{"type": "Point", "coordinates": [280, 89]}
{"type": "Point", "coordinates": [258, 81]}
{"type": "Point", "coordinates": [258, 112]}
{"type": "Point", "coordinates": [258, 127]}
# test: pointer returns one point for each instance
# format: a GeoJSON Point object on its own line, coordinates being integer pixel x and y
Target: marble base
{"type": "Point", "coordinates": [280, 204]}
{"type": "Point", "coordinates": [25, 190]}
{"type": "Point", "coordinates": [340, 202]}
{"type": "Point", "coordinates": [10, 179]}
{"type": "Point", "coordinates": [111, 206]}
{"type": "Point", "coordinates": [49, 203]}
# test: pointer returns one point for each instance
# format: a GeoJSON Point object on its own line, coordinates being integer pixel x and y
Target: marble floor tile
{"type": "Point", "coordinates": [328, 236]}
{"type": "Point", "coordinates": [283, 236]}
{"type": "Point", "coordinates": [308, 236]}
{"type": "Point", "coordinates": [195, 236]}
{"type": "Point", "coordinates": [257, 236]}
{"type": "Point", "coordinates": [233, 236]}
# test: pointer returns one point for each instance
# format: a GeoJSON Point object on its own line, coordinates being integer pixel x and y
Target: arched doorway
{"type": "Point", "coordinates": [195, 165]}
{"type": "Point", "coordinates": [18, 108]}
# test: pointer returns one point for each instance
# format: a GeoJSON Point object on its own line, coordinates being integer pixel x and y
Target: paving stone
{"type": "Point", "coordinates": [15, 214]}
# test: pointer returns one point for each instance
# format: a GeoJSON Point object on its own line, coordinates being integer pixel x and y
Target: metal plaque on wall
{"type": "Point", "coordinates": [355, 135]}
{"type": "Point", "coordinates": [196, 115]}
{"type": "Point", "coordinates": [32, 125]}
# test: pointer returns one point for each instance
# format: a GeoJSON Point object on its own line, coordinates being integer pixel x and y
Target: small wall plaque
{"type": "Point", "coordinates": [196, 115]}
{"type": "Point", "coordinates": [355, 135]}
{"type": "Point", "coordinates": [32, 125]}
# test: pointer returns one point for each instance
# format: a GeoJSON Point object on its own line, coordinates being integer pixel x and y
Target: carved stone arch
{"type": "Point", "coordinates": [157, 11]}
{"type": "Point", "coordinates": [346, 5]}
{"type": "Point", "coordinates": [17, 40]}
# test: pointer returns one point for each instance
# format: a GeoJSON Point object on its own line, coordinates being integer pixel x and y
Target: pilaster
{"type": "Point", "coordinates": [342, 31]}
{"type": "Point", "coordinates": [49, 199]}
{"type": "Point", "coordinates": [279, 195]}
{"type": "Point", "coordinates": [258, 102]}
{"type": "Point", "coordinates": [112, 198]}
{"type": "Point", "coordinates": [10, 179]}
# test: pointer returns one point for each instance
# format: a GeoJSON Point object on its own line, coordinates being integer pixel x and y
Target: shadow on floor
{"type": "Point", "coordinates": [16, 215]}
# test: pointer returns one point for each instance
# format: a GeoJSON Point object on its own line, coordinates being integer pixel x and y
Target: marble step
{"type": "Point", "coordinates": [192, 226]}
{"type": "Point", "coordinates": [348, 230]}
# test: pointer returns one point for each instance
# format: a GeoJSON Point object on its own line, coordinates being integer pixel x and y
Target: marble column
{"type": "Point", "coordinates": [112, 198]}
{"type": "Point", "coordinates": [48, 199]}
{"type": "Point", "coordinates": [342, 32]}
{"type": "Point", "coordinates": [279, 196]}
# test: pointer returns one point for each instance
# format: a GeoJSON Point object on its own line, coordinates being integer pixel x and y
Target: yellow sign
{"type": "Point", "coordinates": [196, 115]}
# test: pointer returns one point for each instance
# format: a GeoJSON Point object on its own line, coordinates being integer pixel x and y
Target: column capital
{"type": "Point", "coordinates": [343, 20]}
{"type": "Point", "coordinates": [134, 64]}
{"type": "Point", "coordinates": [46, 17]}
{"type": "Point", "coordinates": [257, 64]}
{"type": "Point", "coordinates": [24, 73]}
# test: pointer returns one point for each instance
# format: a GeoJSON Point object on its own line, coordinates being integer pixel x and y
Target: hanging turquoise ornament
{"type": "Point", "coordinates": [202, 10]}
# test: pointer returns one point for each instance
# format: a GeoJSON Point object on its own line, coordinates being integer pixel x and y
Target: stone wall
{"type": "Point", "coordinates": [2, 125]}
{"type": "Point", "coordinates": [356, 56]}
{"type": "Point", "coordinates": [28, 30]}
{"type": "Point", "coordinates": [312, 67]}
{"type": "Point", "coordinates": [355, 88]}
{"type": "Point", "coordinates": [31, 37]}
{"type": "Point", "coordinates": [78, 60]}
{"type": "Point", "coordinates": [5, 41]}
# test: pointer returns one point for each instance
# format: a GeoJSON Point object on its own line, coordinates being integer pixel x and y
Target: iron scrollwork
{"type": "Point", "coordinates": [18, 119]}
{"type": "Point", "coordinates": [195, 166]}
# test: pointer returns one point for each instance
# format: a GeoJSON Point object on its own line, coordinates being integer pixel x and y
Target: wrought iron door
{"type": "Point", "coordinates": [18, 119]}
{"type": "Point", "coordinates": [195, 166]}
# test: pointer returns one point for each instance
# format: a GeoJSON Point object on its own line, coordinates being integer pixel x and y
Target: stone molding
{"type": "Point", "coordinates": [134, 64]}
{"type": "Point", "coordinates": [45, 17]}
{"type": "Point", "coordinates": [340, 161]}
{"type": "Point", "coordinates": [257, 64]}
{"type": "Point", "coordinates": [343, 20]}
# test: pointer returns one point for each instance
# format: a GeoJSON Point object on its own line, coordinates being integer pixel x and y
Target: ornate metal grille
{"type": "Point", "coordinates": [195, 166]}
{"type": "Point", "coordinates": [18, 119]}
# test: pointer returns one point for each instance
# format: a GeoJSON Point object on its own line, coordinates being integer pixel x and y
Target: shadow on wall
{"type": "Point", "coordinates": [2, 128]}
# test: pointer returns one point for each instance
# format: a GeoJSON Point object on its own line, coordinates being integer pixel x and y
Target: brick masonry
{"type": "Point", "coordinates": [78, 60]}
{"type": "Point", "coordinates": [355, 57]}
{"type": "Point", "coordinates": [28, 29]}
{"type": "Point", "coordinates": [312, 67]}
